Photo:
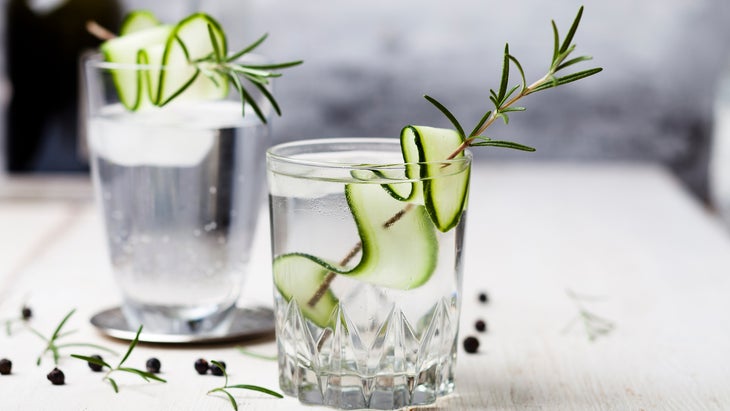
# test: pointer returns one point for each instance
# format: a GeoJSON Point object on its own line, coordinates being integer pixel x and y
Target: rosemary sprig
{"type": "Point", "coordinates": [224, 389]}
{"type": "Point", "coordinates": [215, 65]}
{"type": "Point", "coordinates": [505, 97]}
{"type": "Point", "coordinates": [147, 376]}
{"type": "Point", "coordinates": [54, 347]}
{"type": "Point", "coordinates": [595, 326]}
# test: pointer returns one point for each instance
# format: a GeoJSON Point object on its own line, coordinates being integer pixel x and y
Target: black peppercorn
{"type": "Point", "coordinates": [471, 345]}
{"type": "Point", "coordinates": [480, 325]}
{"type": "Point", "coordinates": [95, 367]}
{"type": "Point", "coordinates": [153, 365]}
{"type": "Point", "coordinates": [201, 366]}
{"type": "Point", "coordinates": [56, 377]}
{"type": "Point", "coordinates": [5, 366]}
{"type": "Point", "coordinates": [26, 312]}
{"type": "Point", "coordinates": [483, 298]}
{"type": "Point", "coordinates": [215, 370]}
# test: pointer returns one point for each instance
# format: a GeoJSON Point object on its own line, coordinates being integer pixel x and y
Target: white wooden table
{"type": "Point", "coordinates": [656, 261]}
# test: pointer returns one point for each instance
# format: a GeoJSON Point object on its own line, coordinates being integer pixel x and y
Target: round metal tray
{"type": "Point", "coordinates": [247, 323]}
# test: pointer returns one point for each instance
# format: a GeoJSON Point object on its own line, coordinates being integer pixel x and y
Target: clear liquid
{"type": "Point", "coordinates": [393, 348]}
{"type": "Point", "coordinates": [180, 192]}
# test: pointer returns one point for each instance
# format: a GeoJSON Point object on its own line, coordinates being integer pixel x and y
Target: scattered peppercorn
{"type": "Point", "coordinates": [480, 325]}
{"type": "Point", "coordinates": [215, 370]}
{"type": "Point", "coordinates": [483, 298]}
{"type": "Point", "coordinates": [153, 365]}
{"type": "Point", "coordinates": [26, 312]}
{"type": "Point", "coordinates": [5, 366]}
{"type": "Point", "coordinates": [95, 367]}
{"type": "Point", "coordinates": [471, 344]}
{"type": "Point", "coordinates": [56, 377]}
{"type": "Point", "coordinates": [201, 366]}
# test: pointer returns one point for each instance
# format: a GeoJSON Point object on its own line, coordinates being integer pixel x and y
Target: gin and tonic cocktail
{"type": "Point", "coordinates": [180, 188]}
{"type": "Point", "coordinates": [367, 267]}
{"type": "Point", "coordinates": [177, 130]}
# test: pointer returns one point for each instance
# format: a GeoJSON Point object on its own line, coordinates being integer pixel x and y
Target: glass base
{"type": "Point", "coordinates": [381, 393]}
{"type": "Point", "coordinates": [399, 364]}
{"type": "Point", "coordinates": [248, 323]}
{"type": "Point", "coordinates": [179, 319]}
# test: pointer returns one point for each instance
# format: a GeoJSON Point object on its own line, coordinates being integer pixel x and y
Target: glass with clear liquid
{"type": "Point", "coordinates": [381, 340]}
{"type": "Point", "coordinates": [180, 189]}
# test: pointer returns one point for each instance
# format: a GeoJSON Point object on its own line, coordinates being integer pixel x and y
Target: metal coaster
{"type": "Point", "coordinates": [247, 323]}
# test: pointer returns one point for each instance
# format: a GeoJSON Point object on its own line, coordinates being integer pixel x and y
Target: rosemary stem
{"type": "Point", "coordinates": [322, 289]}
{"type": "Point", "coordinates": [493, 117]}
{"type": "Point", "coordinates": [99, 31]}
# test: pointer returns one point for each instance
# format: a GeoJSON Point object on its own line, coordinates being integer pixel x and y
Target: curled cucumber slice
{"type": "Point", "coordinates": [400, 255]}
{"type": "Point", "coordinates": [170, 52]}
{"type": "Point", "coordinates": [130, 83]}
{"type": "Point", "coordinates": [445, 185]}
{"type": "Point", "coordinates": [298, 277]}
{"type": "Point", "coordinates": [395, 254]}
{"type": "Point", "coordinates": [195, 37]}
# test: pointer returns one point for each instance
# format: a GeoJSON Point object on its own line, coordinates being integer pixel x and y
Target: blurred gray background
{"type": "Point", "coordinates": [368, 64]}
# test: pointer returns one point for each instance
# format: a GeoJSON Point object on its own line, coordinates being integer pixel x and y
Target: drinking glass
{"type": "Point", "coordinates": [180, 188]}
{"type": "Point", "coordinates": [367, 290]}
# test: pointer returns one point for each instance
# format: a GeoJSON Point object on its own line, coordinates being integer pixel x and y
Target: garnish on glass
{"type": "Point", "coordinates": [224, 389]}
{"type": "Point", "coordinates": [145, 375]}
{"type": "Point", "coordinates": [196, 61]}
{"type": "Point", "coordinates": [445, 204]}
{"type": "Point", "coordinates": [55, 347]}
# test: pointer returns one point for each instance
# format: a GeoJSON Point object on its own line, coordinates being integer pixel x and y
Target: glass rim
{"type": "Point", "coordinates": [271, 154]}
